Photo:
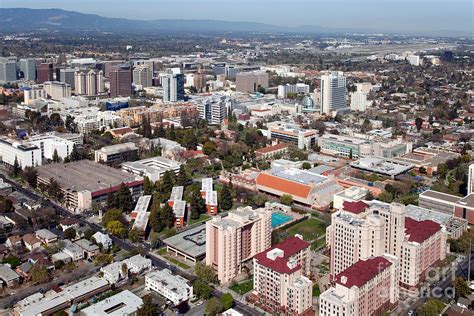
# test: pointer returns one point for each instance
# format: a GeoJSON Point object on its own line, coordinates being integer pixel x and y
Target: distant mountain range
{"type": "Point", "coordinates": [22, 19]}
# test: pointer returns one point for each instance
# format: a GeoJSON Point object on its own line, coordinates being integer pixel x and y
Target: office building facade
{"type": "Point", "coordinates": [173, 87]}
{"type": "Point", "coordinates": [333, 92]}
{"type": "Point", "coordinates": [120, 81]}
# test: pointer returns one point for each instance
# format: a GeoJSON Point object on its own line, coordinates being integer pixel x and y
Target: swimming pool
{"type": "Point", "coordinates": [279, 219]}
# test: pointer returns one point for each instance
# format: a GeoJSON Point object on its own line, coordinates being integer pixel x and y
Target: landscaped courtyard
{"type": "Point", "coordinates": [311, 229]}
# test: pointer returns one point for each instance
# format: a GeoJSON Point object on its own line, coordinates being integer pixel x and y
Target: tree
{"type": "Point", "coordinates": [148, 308]}
{"type": "Point", "coordinates": [418, 123]}
{"type": "Point", "coordinates": [209, 148]}
{"type": "Point", "coordinates": [39, 274]}
{"type": "Point", "coordinates": [12, 261]}
{"type": "Point", "coordinates": [16, 168]}
{"type": "Point", "coordinates": [123, 198]}
{"type": "Point", "coordinates": [124, 270]}
{"type": "Point", "coordinates": [114, 214]}
{"type": "Point", "coordinates": [88, 233]}
{"type": "Point", "coordinates": [167, 215]}
{"type": "Point", "coordinates": [182, 178]}
{"type": "Point", "coordinates": [227, 301]}
{"type": "Point", "coordinates": [56, 157]}
{"type": "Point", "coordinates": [286, 199]}
{"type": "Point", "coordinates": [135, 235]}
{"type": "Point", "coordinates": [432, 307]}
{"type": "Point", "coordinates": [103, 259]}
{"type": "Point", "coordinates": [148, 186]}
{"type": "Point", "coordinates": [351, 154]}
{"type": "Point", "coordinates": [166, 184]}
{"type": "Point", "coordinates": [116, 228]}
{"type": "Point", "coordinates": [155, 219]}
{"type": "Point", "coordinates": [225, 198]}
{"type": "Point", "coordinates": [70, 233]}
{"type": "Point", "coordinates": [30, 176]}
{"type": "Point", "coordinates": [202, 290]}
{"type": "Point", "coordinates": [213, 307]}
{"type": "Point", "coordinates": [461, 288]}
{"type": "Point", "coordinates": [306, 165]}
{"type": "Point", "coordinates": [205, 273]}
{"type": "Point", "coordinates": [198, 205]}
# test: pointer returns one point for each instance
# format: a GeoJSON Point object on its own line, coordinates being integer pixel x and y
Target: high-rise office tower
{"type": "Point", "coordinates": [80, 82]}
{"type": "Point", "coordinates": [199, 81]}
{"type": "Point", "coordinates": [120, 81]}
{"type": "Point", "coordinates": [333, 92]}
{"type": "Point", "coordinates": [44, 72]}
{"type": "Point", "coordinates": [89, 82]}
{"type": "Point", "coordinates": [7, 70]}
{"type": "Point", "coordinates": [249, 82]}
{"type": "Point", "coordinates": [470, 181]}
{"type": "Point", "coordinates": [173, 87]}
{"type": "Point", "coordinates": [27, 68]}
{"type": "Point", "coordinates": [67, 75]}
{"type": "Point", "coordinates": [142, 75]}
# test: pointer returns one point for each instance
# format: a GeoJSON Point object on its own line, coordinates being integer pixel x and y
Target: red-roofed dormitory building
{"type": "Point", "coordinates": [280, 282]}
{"type": "Point", "coordinates": [362, 230]}
{"type": "Point", "coordinates": [368, 287]}
{"type": "Point", "coordinates": [209, 195]}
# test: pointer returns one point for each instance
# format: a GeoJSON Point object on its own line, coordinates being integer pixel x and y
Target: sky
{"type": "Point", "coordinates": [376, 15]}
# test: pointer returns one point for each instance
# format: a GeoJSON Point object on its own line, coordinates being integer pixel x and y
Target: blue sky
{"type": "Point", "coordinates": [376, 15]}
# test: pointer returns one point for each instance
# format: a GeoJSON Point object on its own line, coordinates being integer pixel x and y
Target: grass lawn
{"type": "Point", "coordinates": [202, 218]}
{"type": "Point", "coordinates": [316, 291]}
{"type": "Point", "coordinates": [177, 262]}
{"type": "Point", "coordinates": [318, 243]}
{"type": "Point", "coordinates": [242, 287]}
{"type": "Point", "coordinates": [161, 251]}
{"type": "Point", "coordinates": [311, 229]}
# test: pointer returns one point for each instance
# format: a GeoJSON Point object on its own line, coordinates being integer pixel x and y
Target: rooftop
{"type": "Point", "coordinates": [382, 165]}
{"type": "Point", "coordinates": [123, 303]}
{"type": "Point", "coordinates": [84, 175]}
{"type": "Point", "coordinates": [355, 207]}
{"type": "Point", "coordinates": [173, 282]}
{"type": "Point", "coordinates": [419, 231]}
{"type": "Point", "coordinates": [287, 186]}
{"type": "Point", "coordinates": [177, 193]}
{"type": "Point", "coordinates": [112, 149]}
{"type": "Point", "coordinates": [440, 196]}
{"type": "Point", "coordinates": [191, 241]}
{"type": "Point", "coordinates": [362, 272]}
{"type": "Point", "coordinates": [270, 149]}
{"type": "Point", "coordinates": [284, 250]}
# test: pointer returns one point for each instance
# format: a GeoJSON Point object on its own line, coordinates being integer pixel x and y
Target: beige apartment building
{"type": "Point", "coordinates": [280, 282]}
{"type": "Point", "coordinates": [368, 287]}
{"type": "Point", "coordinates": [364, 230]}
{"type": "Point", "coordinates": [233, 240]}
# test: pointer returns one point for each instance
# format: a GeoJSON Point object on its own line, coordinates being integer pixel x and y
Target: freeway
{"type": "Point", "coordinates": [123, 244]}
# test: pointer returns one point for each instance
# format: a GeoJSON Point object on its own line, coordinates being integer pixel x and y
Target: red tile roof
{"type": "Point", "coordinates": [270, 149]}
{"type": "Point", "coordinates": [290, 247]}
{"type": "Point", "coordinates": [354, 207]}
{"type": "Point", "coordinates": [419, 231]}
{"type": "Point", "coordinates": [121, 130]}
{"type": "Point", "coordinates": [283, 185]}
{"type": "Point", "coordinates": [362, 271]}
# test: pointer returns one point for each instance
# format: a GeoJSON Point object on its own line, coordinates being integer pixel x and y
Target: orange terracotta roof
{"type": "Point", "coordinates": [283, 185]}
{"type": "Point", "coordinates": [269, 149]}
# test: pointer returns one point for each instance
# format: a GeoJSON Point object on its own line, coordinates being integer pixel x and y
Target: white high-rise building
{"type": "Point", "coordinates": [333, 92]}
{"type": "Point", "coordinates": [80, 83]}
{"type": "Point", "coordinates": [414, 60]}
{"type": "Point", "coordinates": [25, 153]}
{"type": "Point", "coordinates": [142, 75]}
{"type": "Point", "coordinates": [34, 93]}
{"type": "Point", "coordinates": [358, 101]}
{"type": "Point", "coordinates": [173, 87]}
{"type": "Point", "coordinates": [57, 90]}
{"type": "Point", "coordinates": [214, 110]}
{"type": "Point", "coordinates": [299, 88]}
{"type": "Point", "coordinates": [7, 70]}
{"type": "Point", "coordinates": [28, 67]}
{"type": "Point", "coordinates": [89, 83]}
{"type": "Point", "coordinates": [470, 181]}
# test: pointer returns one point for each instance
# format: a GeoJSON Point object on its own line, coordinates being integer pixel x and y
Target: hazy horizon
{"type": "Point", "coordinates": [423, 16]}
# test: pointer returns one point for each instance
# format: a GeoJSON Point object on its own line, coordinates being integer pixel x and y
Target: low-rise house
{"type": "Point", "coordinates": [8, 276]}
{"type": "Point", "coordinates": [46, 236]}
{"type": "Point", "coordinates": [90, 249]}
{"type": "Point", "coordinates": [173, 287]}
{"type": "Point", "coordinates": [61, 256]}
{"type": "Point", "coordinates": [113, 272]}
{"type": "Point", "coordinates": [69, 222]}
{"type": "Point", "coordinates": [5, 223]}
{"type": "Point", "coordinates": [31, 242]}
{"type": "Point", "coordinates": [41, 260]}
{"type": "Point", "coordinates": [24, 269]}
{"type": "Point", "coordinates": [74, 251]}
{"type": "Point", "coordinates": [13, 242]}
{"type": "Point", "coordinates": [103, 239]}
{"type": "Point", "coordinates": [138, 264]}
